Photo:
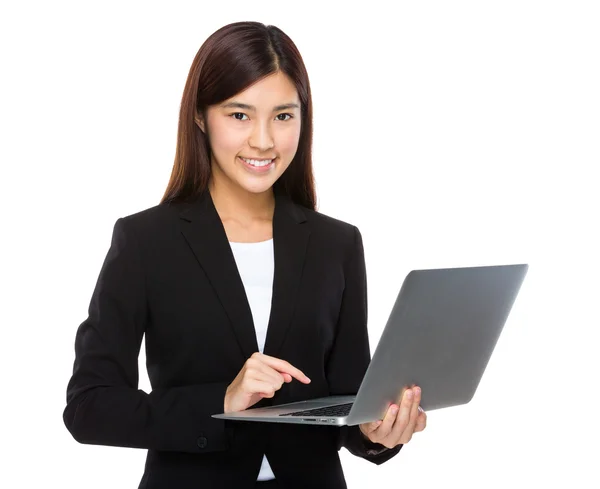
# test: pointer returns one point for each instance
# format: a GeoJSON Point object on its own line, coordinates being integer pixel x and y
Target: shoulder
{"type": "Point", "coordinates": [150, 221]}
{"type": "Point", "coordinates": [332, 230]}
{"type": "Point", "coordinates": [329, 223]}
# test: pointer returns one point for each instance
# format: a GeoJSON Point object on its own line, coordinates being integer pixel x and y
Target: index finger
{"type": "Point", "coordinates": [285, 368]}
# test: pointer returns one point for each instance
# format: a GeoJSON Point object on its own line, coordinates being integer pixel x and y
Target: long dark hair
{"type": "Point", "coordinates": [230, 60]}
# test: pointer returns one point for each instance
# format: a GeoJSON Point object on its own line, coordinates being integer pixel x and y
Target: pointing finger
{"type": "Point", "coordinates": [284, 367]}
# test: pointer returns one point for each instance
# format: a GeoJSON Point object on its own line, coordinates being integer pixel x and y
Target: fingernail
{"type": "Point", "coordinates": [409, 394]}
{"type": "Point", "coordinates": [417, 391]}
{"type": "Point", "coordinates": [394, 409]}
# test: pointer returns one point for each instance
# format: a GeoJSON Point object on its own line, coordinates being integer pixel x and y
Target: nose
{"type": "Point", "coordinates": [261, 138]}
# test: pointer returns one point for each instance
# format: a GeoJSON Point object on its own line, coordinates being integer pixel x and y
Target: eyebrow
{"type": "Point", "coordinates": [240, 105]}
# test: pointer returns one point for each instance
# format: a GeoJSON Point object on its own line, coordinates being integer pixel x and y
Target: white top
{"type": "Point", "coordinates": [256, 265]}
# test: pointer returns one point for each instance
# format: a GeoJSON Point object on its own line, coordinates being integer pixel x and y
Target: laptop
{"type": "Point", "coordinates": [440, 335]}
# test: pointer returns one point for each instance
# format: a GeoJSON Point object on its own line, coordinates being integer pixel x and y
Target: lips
{"type": "Point", "coordinates": [256, 160]}
{"type": "Point", "coordinates": [257, 169]}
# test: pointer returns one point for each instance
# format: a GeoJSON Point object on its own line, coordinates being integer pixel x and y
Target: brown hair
{"type": "Point", "coordinates": [230, 60]}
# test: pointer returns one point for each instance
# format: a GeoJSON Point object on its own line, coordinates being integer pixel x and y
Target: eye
{"type": "Point", "coordinates": [237, 113]}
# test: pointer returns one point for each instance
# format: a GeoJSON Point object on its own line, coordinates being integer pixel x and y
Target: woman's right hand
{"type": "Point", "coordinates": [261, 376]}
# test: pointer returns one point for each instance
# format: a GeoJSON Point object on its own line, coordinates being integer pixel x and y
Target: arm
{"type": "Point", "coordinates": [350, 355]}
{"type": "Point", "coordinates": [104, 405]}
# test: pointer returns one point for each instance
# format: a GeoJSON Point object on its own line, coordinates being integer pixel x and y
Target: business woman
{"type": "Point", "coordinates": [247, 296]}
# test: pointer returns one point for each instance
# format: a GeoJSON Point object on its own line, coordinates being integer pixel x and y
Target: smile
{"type": "Point", "coordinates": [258, 166]}
{"type": "Point", "coordinates": [257, 162]}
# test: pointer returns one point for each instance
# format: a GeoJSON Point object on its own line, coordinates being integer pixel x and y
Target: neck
{"type": "Point", "coordinates": [233, 201]}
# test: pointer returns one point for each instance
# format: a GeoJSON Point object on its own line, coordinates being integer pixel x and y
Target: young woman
{"type": "Point", "coordinates": [246, 295]}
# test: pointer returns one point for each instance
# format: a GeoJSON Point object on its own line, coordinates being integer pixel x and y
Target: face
{"type": "Point", "coordinates": [254, 135]}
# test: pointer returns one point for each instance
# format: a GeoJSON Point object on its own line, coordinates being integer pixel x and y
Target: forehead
{"type": "Point", "coordinates": [274, 90]}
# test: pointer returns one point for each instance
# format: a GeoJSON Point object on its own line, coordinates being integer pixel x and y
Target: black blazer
{"type": "Point", "coordinates": [170, 275]}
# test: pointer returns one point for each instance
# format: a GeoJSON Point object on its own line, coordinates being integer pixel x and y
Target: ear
{"type": "Point", "coordinates": [199, 120]}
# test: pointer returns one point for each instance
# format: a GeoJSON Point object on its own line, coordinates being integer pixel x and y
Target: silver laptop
{"type": "Point", "coordinates": [440, 336]}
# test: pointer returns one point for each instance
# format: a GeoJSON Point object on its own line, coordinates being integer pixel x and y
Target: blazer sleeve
{"type": "Point", "coordinates": [104, 404]}
{"type": "Point", "coordinates": [350, 355]}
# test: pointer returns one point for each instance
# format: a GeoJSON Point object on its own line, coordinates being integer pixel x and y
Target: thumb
{"type": "Point", "coordinates": [367, 428]}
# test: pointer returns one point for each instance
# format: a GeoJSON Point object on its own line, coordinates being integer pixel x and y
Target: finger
{"type": "Point", "coordinates": [402, 419]}
{"type": "Point", "coordinates": [421, 421]}
{"type": "Point", "coordinates": [414, 412]}
{"type": "Point", "coordinates": [284, 367]}
{"type": "Point", "coordinates": [385, 428]}
{"type": "Point", "coordinates": [257, 370]}
{"type": "Point", "coordinates": [278, 377]}
{"type": "Point", "coordinates": [403, 393]}
{"type": "Point", "coordinates": [264, 389]}
{"type": "Point", "coordinates": [371, 427]}
{"type": "Point", "coordinates": [280, 366]}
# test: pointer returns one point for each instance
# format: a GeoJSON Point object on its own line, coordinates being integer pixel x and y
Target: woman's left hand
{"type": "Point", "coordinates": [399, 423]}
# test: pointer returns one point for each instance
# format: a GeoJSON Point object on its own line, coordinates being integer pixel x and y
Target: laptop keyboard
{"type": "Point", "coordinates": [339, 410]}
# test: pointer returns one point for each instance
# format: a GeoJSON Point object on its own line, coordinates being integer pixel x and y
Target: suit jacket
{"type": "Point", "coordinates": [170, 275]}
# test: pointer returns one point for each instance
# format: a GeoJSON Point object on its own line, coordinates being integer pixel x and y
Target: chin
{"type": "Point", "coordinates": [257, 188]}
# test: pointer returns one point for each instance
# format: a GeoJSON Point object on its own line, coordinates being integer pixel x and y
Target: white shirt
{"type": "Point", "coordinates": [256, 265]}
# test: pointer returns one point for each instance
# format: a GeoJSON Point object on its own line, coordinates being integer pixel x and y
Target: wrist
{"type": "Point", "coordinates": [372, 448]}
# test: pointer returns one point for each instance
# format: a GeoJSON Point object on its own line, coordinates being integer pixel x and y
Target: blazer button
{"type": "Point", "coordinates": [202, 442]}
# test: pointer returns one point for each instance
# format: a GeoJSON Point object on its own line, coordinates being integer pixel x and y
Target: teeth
{"type": "Point", "coordinates": [257, 163]}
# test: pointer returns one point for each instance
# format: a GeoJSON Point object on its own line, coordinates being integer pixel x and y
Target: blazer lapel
{"type": "Point", "coordinates": [291, 232]}
{"type": "Point", "coordinates": [205, 234]}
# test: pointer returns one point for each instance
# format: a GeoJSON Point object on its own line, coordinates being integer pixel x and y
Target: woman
{"type": "Point", "coordinates": [245, 294]}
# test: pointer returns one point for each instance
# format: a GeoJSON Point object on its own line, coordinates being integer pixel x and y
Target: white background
{"type": "Point", "coordinates": [451, 133]}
